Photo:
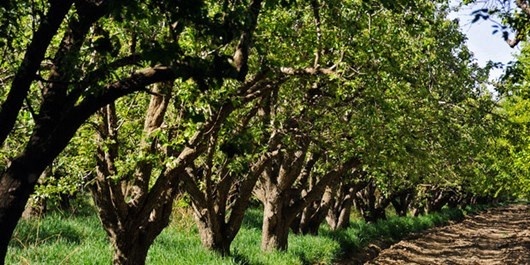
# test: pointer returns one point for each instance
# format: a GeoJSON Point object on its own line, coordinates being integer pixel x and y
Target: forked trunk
{"type": "Point", "coordinates": [339, 217]}
{"type": "Point", "coordinates": [402, 202]}
{"type": "Point", "coordinates": [312, 216]}
{"type": "Point", "coordinates": [371, 204]}
{"type": "Point", "coordinates": [132, 236]}
{"type": "Point", "coordinates": [315, 213]}
{"type": "Point", "coordinates": [339, 213]}
{"type": "Point", "coordinates": [438, 199]}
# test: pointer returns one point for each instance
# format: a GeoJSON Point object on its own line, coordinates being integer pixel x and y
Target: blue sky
{"type": "Point", "coordinates": [484, 45]}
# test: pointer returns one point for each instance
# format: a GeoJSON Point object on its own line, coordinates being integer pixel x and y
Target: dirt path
{"type": "Point", "coordinates": [498, 236]}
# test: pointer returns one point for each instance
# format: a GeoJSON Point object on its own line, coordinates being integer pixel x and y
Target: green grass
{"type": "Point", "coordinates": [56, 239]}
{"type": "Point", "coordinates": [360, 233]}
{"type": "Point", "coordinates": [60, 239]}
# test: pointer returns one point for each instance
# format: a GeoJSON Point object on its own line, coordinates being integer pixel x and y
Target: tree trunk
{"type": "Point", "coordinates": [275, 230]}
{"type": "Point", "coordinates": [131, 234]}
{"type": "Point", "coordinates": [15, 189]}
{"type": "Point", "coordinates": [344, 217]}
{"type": "Point", "coordinates": [339, 213]}
{"type": "Point", "coordinates": [402, 201]}
{"type": "Point", "coordinates": [438, 199]}
{"type": "Point", "coordinates": [311, 218]}
{"type": "Point", "coordinates": [129, 248]}
{"type": "Point", "coordinates": [132, 238]}
{"type": "Point", "coordinates": [371, 205]}
{"type": "Point", "coordinates": [214, 236]}
{"type": "Point", "coordinates": [315, 213]}
{"type": "Point", "coordinates": [339, 217]}
{"type": "Point", "coordinates": [216, 228]}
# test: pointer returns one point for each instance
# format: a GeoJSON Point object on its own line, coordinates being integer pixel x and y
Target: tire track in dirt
{"type": "Point", "coordinates": [498, 236]}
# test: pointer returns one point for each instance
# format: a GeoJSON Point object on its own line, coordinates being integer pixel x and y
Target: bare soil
{"type": "Point", "coordinates": [499, 235]}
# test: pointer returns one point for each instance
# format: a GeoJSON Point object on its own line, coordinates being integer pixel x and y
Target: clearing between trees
{"type": "Point", "coordinates": [500, 235]}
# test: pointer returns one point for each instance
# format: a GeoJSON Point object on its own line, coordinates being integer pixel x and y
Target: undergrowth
{"type": "Point", "coordinates": [61, 239]}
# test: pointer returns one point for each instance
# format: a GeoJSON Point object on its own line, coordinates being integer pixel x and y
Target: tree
{"type": "Point", "coordinates": [505, 161]}
{"type": "Point", "coordinates": [77, 83]}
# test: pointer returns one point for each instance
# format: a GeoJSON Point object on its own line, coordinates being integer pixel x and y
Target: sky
{"type": "Point", "coordinates": [484, 45]}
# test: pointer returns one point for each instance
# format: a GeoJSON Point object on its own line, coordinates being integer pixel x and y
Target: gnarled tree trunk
{"type": "Point", "coordinates": [371, 204]}
{"type": "Point", "coordinates": [276, 222]}
{"type": "Point", "coordinates": [131, 219]}
{"type": "Point", "coordinates": [219, 223]}
{"type": "Point", "coordinates": [283, 202]}
{"type": "Point", "coordinates": [402, 202]}
{"type": "Point", "coordinates": [275, 193]}
{"type": "Point", "coordinates": [132, 239]}
{"type": "Point", "coordinates": [338, 216]}
{"type": "Point", "coordinates": [220, 206]}
{"type": "Point", "coordinates": [314, 214]}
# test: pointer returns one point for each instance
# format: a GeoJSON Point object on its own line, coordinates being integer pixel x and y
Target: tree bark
{"type": "Point", "coordinates": [219, 208]}
{"type": "Point", "coordinates": [130, 230]}
{"type": "Point", "coordinates": [216, 230]}
{"type": "Point", "coordinates": [275, 230]}
{"type": "Point", "coordinates": [16, 185]}
{"type": "Point", "coordinates": [214, 235]}
{"type": "Point", "coordinates": [341, 220]}
{"type": "Point", "coordinates": [276, 192]}
{"type": "Point", "coordinates": [437, 198]}
{"type": "Point", "coordinates": [131, 238]}
{"type": "Point", "coordinates": [211, 210]}
{"type": "Point", "coordinates": [339, 213]}
{"type": "Point", "coordinates": [371, 204]}
{"type": "Point", "coordinates": [315, 213]}
{"type": "Point", "coordinates": [283, 202]}
{"type": "Point", "coordinates": [402, 202]}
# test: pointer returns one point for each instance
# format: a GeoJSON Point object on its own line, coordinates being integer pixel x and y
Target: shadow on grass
{"type": "Point", "coordinates": [242, 259]}
{"type": "Point", "coordinates": [53, 228]}
{"type": "Point", "coordinates": [361, 234]}
{"type": "Point", "coordinates": [36, 233]}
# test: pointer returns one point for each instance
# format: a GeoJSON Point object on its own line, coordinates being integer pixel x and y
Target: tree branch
{"type": "Point", "coordinates": [316, 14]}
{"type": "Point", "coordinates": [31, 63]}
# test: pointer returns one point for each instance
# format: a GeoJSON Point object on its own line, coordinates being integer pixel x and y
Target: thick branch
{"type": "Point", "coordinates": [66, 58]}
{"type": "Point", "coordinates": [291, 168]}
{"type": "Point", "coordinates": [32, 59]}
{"type": "Point", "coordinates": [154, 118]}
{"type": "Point", "coordinates": [317, 189]}
{"type": "Point", "coordinates": [197, 145]}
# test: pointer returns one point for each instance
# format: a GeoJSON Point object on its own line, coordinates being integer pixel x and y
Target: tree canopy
{"type": "Point", "coordinates": [310, 107]}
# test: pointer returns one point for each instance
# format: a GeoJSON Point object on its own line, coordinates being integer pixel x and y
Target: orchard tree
{"type": "Point", "coordinates": [71, 67]}
{"type": "Point", "coordinates": [506, 161]}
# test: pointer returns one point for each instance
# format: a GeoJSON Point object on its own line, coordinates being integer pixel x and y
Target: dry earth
{"type": "Point", "coordinates": [499, 235]}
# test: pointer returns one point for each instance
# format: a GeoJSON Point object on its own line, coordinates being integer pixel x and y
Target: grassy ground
{"type": "Point", "coordinates": [60, 239]}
